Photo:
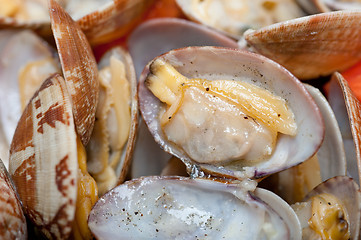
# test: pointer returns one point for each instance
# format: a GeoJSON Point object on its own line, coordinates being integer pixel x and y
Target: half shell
{"type": "Point", "coordinates": [43, 159]}
{"type": "Point", "coordinates": [180, 208]}
{"type": "Point", "coordinates": [348, 110]}
{"type": "Point", "coordinates": [79, 69]}
{"type": "Point", "coordinates": [214, 63]}
{"type": "Point", "coordinates": [311, 46]}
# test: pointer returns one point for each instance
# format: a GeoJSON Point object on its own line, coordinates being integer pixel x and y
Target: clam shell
{"type": "Point", "coordinates": [311, 46]}
{"type": "Point", "coordinates": [12, 219]}
{"type": "Point", "coordinates": [179, 208]}
{"type": "Point", "coordinates": [353, 120]}
{"type": "Point", "coordinates": [346, 190]}
{"type": "Point", "coordinates": [157, 36]}
{"type": "Point", "coordinates": [223, 63]}
{"type": "Point", "coordinates": [97, 146]}
{"type": "Point", "coordinates": [79, 69]}
{"type": "Point", "coordinates": [43, 159]}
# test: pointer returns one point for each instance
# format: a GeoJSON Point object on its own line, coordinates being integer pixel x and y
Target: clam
{"type": "Point", "coordinates": [47, 156]}
{"type": "Point", "coordinates": [101, 20]}
{"type": "Point", "coordinates": [235, 17]}
{"type": "Point", "coordinates": [12, 219]}
{"type": "Point", "coordinates": [311, 46]}
{"type": "Point", "coordinates": [331, 211]}
{"type": "Point", "coordinates": [180, 208]}
{"type": "Point", "coordinates": [201, 81]}
{"type": "Point", "coordinates": [111, 145]}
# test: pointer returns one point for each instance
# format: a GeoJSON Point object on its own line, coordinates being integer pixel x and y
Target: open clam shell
{"type": "Point", "coordinates": [213, 63]}
{"type": "Point", "coordinates": [179, 208]}
{"type": "Point", "coordinates": [349, 195]}
{"type": "Point", "coordinates": [311, 46]}
{"type": "Point", "coordinates": [43, 159]}
{"type": "Point", "coordinates": [108, 159]}
{"type": "Point", "coordinates": [12, 219]}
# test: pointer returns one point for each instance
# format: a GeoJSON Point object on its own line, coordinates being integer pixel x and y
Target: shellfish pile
{"type": "Point", "coordinates": [174, 119]}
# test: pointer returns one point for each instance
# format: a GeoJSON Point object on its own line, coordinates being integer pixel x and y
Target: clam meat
{"type": "Point", "coordinates": [225, 112]}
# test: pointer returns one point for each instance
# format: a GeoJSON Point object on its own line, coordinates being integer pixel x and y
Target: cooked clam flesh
{"type": "Point", "coordinates": [219, 121]}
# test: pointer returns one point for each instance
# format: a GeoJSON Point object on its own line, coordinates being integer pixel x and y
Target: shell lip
{"type": "Point", "coordinates": [258, 172]}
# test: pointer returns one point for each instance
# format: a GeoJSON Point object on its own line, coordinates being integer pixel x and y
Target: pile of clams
{"type": "Point", "coordinates": [230, 143]}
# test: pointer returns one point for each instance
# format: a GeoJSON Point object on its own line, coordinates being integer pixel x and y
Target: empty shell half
{"type": "Point", "coordinates": [229, 112]}
{"type": "Point", "coordinates": [182, 208]}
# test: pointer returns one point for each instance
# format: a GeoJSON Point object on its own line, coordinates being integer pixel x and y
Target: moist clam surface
{"type": "Point", "coordinates": [228, 111]}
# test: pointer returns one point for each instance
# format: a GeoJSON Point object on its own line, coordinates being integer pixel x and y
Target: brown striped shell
{"type": "Point", "coordinates": [79, 69]}
{"type": "Point", "coordinates": [43, 159]}
{"type": "Point", "coordinates": [311, 46]}
{"type": "Point", "coordinates": [12, 219]}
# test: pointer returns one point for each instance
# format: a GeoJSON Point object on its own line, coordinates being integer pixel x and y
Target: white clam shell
{"type": "Point", "coordinates": [222, 63]}
{"type": "Point", "coordinates": [179, 208]}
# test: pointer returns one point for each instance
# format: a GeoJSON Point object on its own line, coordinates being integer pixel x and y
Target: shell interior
{"type": "Point", "coordinates": [175, 207]}
{"type": "Point", "coordinates": [219, 63]}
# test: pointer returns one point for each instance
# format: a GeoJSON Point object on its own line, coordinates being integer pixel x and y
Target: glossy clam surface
{"type": "Point", "coordinates": [176, 207]}
{"type": "Point", "coordinates": [311, 46]}
{"type": "Point", "coordinates": [214, 63]}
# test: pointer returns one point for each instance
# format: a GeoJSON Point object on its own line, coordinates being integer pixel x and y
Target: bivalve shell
{"type": "Point", "coordinates": [43, 159]}
{"type": "Point", "coordinates": [214, 63]}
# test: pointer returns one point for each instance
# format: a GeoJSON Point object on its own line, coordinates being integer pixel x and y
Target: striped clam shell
{"type": "Point", "coordinates": [79, 69]}
{"type": "Point", "coordinates": [43, 159]}
{"type": "Point", "coordinates": [12, 219]}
